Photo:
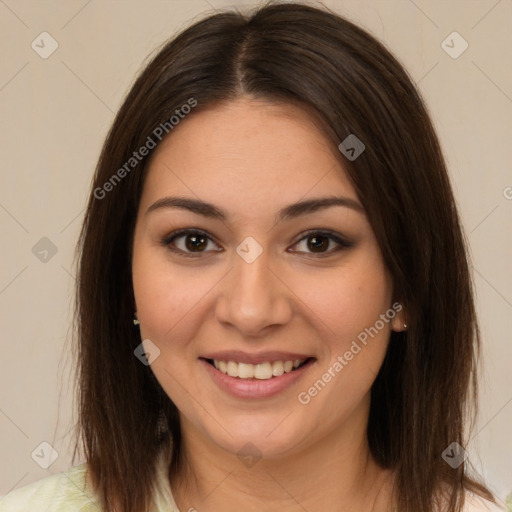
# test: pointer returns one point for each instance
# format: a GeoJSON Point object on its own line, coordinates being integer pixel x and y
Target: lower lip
{"type": "Point", "coordinates": [255, 388]}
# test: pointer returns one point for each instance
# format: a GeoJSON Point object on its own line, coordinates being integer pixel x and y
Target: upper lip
{"type": "Point", "coordinates": [260, 357]}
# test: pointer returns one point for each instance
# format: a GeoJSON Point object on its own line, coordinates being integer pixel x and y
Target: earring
{"type": "Point", "coordinates": [405, 326]}
{"type": "Point", "coordinates": [135, 321]}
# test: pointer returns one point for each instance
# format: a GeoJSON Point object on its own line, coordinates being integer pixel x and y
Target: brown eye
{"type": "Point", "coordinates": [189, 243]}
{"type": "Point", "coordinates": [321, 243]}
{"type": "Point", "coordinates": [196, 243]}
{"type": "Point", "coordinates": [318, 243]}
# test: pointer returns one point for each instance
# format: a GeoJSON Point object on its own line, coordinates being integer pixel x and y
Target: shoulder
{"type": "Point", "coordinates": [62, 492]}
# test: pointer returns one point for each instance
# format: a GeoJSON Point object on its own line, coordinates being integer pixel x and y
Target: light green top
{"type": "Point", "coordinates": [69, 492]}
{"type": "Point", "coordinates": [62, 492]}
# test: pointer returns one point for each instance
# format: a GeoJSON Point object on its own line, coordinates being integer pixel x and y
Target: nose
{"type": "Point", "coordinates": [253, 298]}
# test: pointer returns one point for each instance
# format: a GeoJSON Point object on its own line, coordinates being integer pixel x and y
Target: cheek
{"type": "Point", "coordinates": [355, 344]}
{"type": "Point", "coordinates": [166, 295]}
{"type": "Point", "coordinates": [345, 301]}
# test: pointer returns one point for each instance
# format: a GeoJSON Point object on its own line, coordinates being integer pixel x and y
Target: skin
{"type": "Point", "coordinates": [251, 158]}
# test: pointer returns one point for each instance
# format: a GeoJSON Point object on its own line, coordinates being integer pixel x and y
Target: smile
{"type": "Point", "coordinates": [261, 371]}
{"type": "Point", "coordinates": [258, 380]}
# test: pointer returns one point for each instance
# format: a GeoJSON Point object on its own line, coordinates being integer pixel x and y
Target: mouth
{"type": "Point", "coordinates": [265, 370]}
{"type": "Point", "coordinates": [254, 376]}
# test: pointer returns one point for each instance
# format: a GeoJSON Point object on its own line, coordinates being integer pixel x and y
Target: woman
{"type": "Point", "coordinates": [274, 304]}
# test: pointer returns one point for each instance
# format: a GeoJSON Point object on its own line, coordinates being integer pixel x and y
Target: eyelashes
{"type": "Point", "coordinates": [315, 243]}
{"type": "Point", "coordinates": [194, 243]}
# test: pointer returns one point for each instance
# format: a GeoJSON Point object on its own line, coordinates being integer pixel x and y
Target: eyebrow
{"type": "Point", "coordinates": [287, 213]}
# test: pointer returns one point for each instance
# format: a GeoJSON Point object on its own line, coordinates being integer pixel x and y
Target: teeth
{"type": "Point", "coordinates": [245, 371]}
{"type": "Point", "coordinates": [261, 371]}
{"type": "Point", "coordinates": [277, 368]}
{"type": "Point", "coordinates": [232, 369]}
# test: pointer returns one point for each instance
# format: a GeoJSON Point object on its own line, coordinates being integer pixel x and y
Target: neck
{"type": "Point", "coordinates": [335, 473]}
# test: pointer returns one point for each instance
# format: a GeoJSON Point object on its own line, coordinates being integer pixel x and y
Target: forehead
{"type": "Point", "coordinates": [247, 152]}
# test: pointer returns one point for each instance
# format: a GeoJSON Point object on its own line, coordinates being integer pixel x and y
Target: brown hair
{"type": "Point", "coordinates": [426, 387]}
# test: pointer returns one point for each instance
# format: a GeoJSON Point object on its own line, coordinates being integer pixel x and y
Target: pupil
{"type": "Point", "coordinates": [195, 242]}
{"type": "Point", "coordinates": [318, 243]}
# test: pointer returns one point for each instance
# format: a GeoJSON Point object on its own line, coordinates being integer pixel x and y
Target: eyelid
{"type": "Point", "coordinates": [167, 241]}
{"type": "Point", "coordinates": [336, 237]}
{"type": "Point", "coordinates": [185, 231]}
{"type": "Point", "coordinates": [342, 242]}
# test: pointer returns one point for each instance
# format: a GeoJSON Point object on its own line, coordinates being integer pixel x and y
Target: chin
{"type": "Point", "coordinates": [262, 438]}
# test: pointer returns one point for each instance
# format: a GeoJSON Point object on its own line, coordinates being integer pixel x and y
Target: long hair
{"type": "Point", "coordinates": [425, 392]}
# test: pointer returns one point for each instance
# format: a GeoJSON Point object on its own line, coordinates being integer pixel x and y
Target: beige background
{"type": "Point", "coordinates": [56, 112]}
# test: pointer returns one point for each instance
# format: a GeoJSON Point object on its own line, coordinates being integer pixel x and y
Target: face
{"type": "Point", "coordinates": [253, 256]}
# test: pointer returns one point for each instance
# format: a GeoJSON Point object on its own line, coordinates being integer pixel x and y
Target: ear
{"type": "Point", "coordinates": [399, 321]}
